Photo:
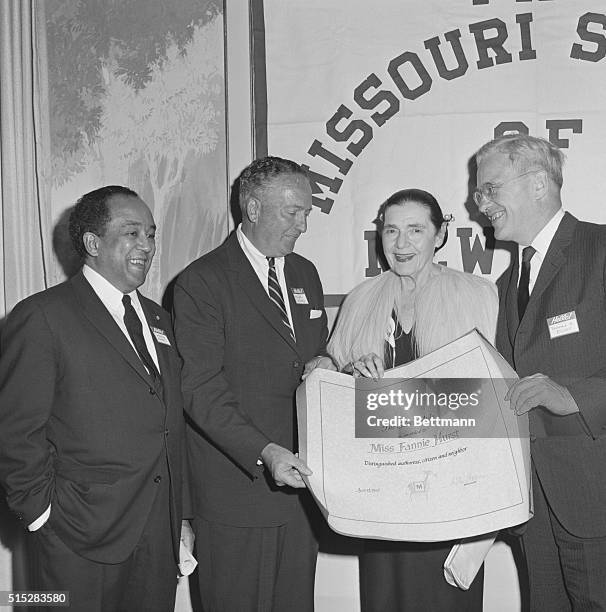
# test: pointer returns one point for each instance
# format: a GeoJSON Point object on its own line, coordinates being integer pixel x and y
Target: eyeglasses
{"type": "Point", "coordinates": [489, 191]}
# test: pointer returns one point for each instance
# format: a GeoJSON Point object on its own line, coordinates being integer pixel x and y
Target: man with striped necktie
{"type": "Point", "coordinates": [248, 316]}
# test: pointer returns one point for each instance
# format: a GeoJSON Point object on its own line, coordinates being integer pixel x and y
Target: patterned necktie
{"type": "Point", "coordinates": [523, 296]}
{"type": "Point", "coordinates": [275, 295]}
{"type": "Point", "coordinates": [135, 331]}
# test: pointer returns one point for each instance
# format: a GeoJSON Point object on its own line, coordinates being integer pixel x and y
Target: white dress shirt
{"type": "Point", "coordinates": [261, 267]}
{"type": "Point", "coordinates": [540, 244]}
{"type": "Point", "coordinates": [112, 300]}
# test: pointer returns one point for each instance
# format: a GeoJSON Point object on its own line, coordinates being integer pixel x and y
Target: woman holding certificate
{"type": "Point", "coordinates": [408, 311]}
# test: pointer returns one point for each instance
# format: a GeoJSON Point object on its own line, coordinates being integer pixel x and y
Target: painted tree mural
{"type": "Point", "coordinates": [137, 93]}
{"type": "Point", "coordinates": [171, 117]}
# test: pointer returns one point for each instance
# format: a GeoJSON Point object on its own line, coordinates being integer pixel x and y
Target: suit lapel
{"type": "Point", "coordinates": [554, 260]}
{"type": "Point", "coordinates": [93, 309]}
{"type": "Point", "coordinates": [250, 284]}
{"type": "Point", "coordinates": [298, 313]}
{"type": "Point", "coordinates": [153, 320]}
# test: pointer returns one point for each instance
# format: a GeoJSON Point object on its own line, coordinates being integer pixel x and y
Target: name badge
{"type": "Point", "coordinates": [563, 324]}
{"type": "Point", "coordinates": [160, 335]}
{"type": "Point", "coordinates": [299, 295]}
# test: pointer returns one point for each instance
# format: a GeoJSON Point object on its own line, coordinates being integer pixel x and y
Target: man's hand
{"type": "Point", "coordinates": [321, 361]}
{"type": "Point", "coordinates": [369, 366]}
{"type": "Point", "coordinates": [539, 390]}
{"type": "Point", "coordinates": [284, 467]}
{"type": "Point", "coordinates": [187, 536]}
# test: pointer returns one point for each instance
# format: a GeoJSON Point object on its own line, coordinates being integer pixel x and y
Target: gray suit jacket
{"type": "Point", "coordinates": [82, 426]}
{"type": "Point", "coordinates": [569, 452]}
{"type": "Point", "coordinates": [241, 369]}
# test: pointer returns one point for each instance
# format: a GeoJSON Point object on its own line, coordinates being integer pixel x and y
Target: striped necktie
{"type": "Point", "coordinates": [275, 295]}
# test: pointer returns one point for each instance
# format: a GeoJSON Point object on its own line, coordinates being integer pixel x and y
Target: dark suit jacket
{"type": "Point", "coordinates": [81, 425]}
{"type": "Point", "coordinates": [569, 452]}
{"type": "Point", "coordinates": [240, 372]}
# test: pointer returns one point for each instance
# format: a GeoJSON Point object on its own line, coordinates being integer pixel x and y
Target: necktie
{"type": "Point", "coordinates": [135, 331]}
{"type": "Point", "coordinates": [527, 253]}
{"type": "Point", "coordinates": [275, 294]}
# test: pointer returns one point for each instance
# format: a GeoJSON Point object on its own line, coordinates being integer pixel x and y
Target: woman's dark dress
{"type": "Point", "coordinates": [409, 576]}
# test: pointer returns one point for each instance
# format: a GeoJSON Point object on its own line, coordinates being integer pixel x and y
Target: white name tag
{"type": "Point", "coordinates": [299, 295]}
{"type": "Point", "coordinates": [160, 335]}
{"type": "Point", "coordinates": [563, 324]}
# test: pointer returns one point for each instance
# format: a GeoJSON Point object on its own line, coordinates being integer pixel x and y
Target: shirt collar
{"type": "Point", "coordinates": [107, 293]}
{"type": "Point", "coordinates": [252, 252]}
{"type": "Point", "coordinates": [543, 239]}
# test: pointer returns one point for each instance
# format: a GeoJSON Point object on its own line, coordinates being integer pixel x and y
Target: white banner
{"type": "Point", "coordinates": [378, 97]}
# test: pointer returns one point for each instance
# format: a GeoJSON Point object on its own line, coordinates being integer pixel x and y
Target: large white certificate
{"type": "Point", "coordinates": [431, 452]}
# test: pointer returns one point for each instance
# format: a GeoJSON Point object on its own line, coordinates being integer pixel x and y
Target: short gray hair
{"type": "Point", "coordinates": [526, 152]}
{"type": "Point", "coordinates": [260, 174]}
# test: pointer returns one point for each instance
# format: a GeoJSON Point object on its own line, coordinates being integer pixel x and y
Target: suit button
{"type": "Point", "coordinates": [166, 432]}
{"type": "Point", "coordinates": [158, 479]}
{"type": "Point", "coordinates": [296, 364]}
{"type": "Point", "coordinates": [152, 391]}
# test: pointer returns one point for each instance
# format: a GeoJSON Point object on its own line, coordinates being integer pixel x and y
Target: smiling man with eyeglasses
{"type": "Point", "coordinates": [552, 330]}
{"type": "Point", "coordinates": [501, 194]}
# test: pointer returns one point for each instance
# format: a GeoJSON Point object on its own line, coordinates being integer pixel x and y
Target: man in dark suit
{"type": "Point", "coordinates": [552, 330]}
{"type": "Point", "coordinates": [248, 316]}
{"type": "Point", "coordinates": [91, 419]}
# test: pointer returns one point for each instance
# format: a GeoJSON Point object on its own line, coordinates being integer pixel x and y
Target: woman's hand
{"type": "Point", "coordinates": [321, 361]}
{"type": "Point", "coordinates": [369, 366]}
